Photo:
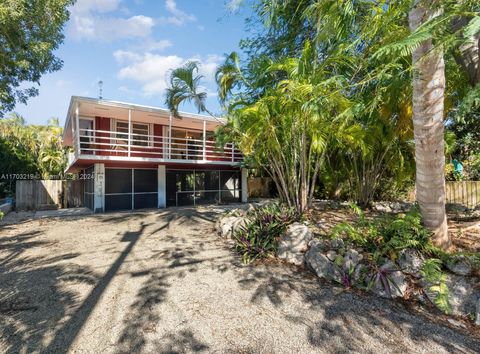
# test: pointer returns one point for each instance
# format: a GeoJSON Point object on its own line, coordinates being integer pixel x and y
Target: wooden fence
{"type": "Point", "coordinates": [260, 187]}
{"type": "Point", "coordinates": [466, 193]}
{"type": "Point", "coordinates": [49, 194]}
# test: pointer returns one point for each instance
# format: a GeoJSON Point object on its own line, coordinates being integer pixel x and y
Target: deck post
{"type": "Point", "coordinates": [77, 123]}
{"type": "Point", "coordinates": [99, 188]}
{"type": "Point", "coordinates": [204, 140]}
{"type": "Point", "coordinates": [170, 136]}
{"type": "Point", "coordinates": [162, 187]}
{"type": "Point", "coordinates": [129, 130]}
{"type": "Point", "coordinates": [233, 152]}
{"type": "Point", "coordinates": [244, 185]}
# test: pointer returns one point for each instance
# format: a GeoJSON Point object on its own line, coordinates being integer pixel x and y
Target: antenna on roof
{"type": "Point", "coordinates": [100, 89]}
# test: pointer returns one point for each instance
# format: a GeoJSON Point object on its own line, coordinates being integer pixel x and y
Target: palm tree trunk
{"type": "Point", "coordinates": [428, 95]}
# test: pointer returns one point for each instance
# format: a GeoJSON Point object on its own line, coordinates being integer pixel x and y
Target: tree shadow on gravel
{"type": "Point", "coordinates": [33, 298]}
{"type": "Point", "coordinates": [67, 334]}
{"type": "Point", "coordinates": [347, 320]}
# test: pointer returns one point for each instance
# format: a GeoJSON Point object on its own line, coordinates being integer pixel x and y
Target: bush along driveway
{"type": "Point", "coordinates": [163, 282]}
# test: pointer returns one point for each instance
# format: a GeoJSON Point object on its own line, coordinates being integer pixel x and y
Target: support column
{"type": "Point", "coordinates": [77, 127]}
{"type": "Point", "coordinates": [99, 188]}
{"type": "Point", "coordinates": [244, 185]}
{"type": "Point", "coordinates": [170, 136]}
{"type": "Point", "coordinates": [129, 130]}
{"type": "Point", "coordinates": [204, 140]}
{"type": "Point", "coordinates": [162, 187]}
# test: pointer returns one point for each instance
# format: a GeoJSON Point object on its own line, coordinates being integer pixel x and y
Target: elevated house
{"type": "Point", "coordinates": [131, 157]}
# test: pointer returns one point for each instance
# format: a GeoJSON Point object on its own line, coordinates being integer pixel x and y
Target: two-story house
{"type": "Point", "coordinates": [131, 156]}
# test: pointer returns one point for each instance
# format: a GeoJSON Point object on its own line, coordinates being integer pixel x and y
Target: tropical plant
{"type": "Point", "coordinates": [29, 150]}
{"type": "Point", "coordinates": [258, 236]}
{"type": "Point", "coordinates": [432, 273]}
{"type": "Point", "coordinates": [185, 86]}
{"type": "Point", "coordinates": [385, 236]}
{"type": "Point", "coordinates": [288, 128]}
{"type": "Point", "coordinates": [372, 46]}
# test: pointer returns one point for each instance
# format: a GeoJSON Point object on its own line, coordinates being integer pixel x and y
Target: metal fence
{"type": "Point", "coordinates": [466, 193]}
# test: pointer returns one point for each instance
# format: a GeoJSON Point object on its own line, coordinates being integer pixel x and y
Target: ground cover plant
{"type": "Point", "coordinates": [258, 236]}
{"type": "Point", "coordinates": [382, 238]}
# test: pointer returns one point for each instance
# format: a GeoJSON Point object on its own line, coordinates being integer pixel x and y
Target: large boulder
{"type": "Point", "coordinates": [294, 243]}
{"type": "Point", "coordinates": [463, 293]}
{"type": "Point", "coordinates": [227, 225]}
{"type": "Point", "coordinates": [321, 264]}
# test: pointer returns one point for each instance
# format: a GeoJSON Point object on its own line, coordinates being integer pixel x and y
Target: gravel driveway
{"type": "Point", "coordinates": [163, 282]}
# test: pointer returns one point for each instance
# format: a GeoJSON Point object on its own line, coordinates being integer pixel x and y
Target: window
{"type": "Point", "coordinates": [140, 132]}
{"type": "Point", "coordinates": [122, 127]}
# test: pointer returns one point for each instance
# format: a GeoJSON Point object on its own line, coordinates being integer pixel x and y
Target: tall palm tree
{"type": "Point", "coordinates": [185, 87]}
{"type": "Point", "coordinates": [428, 111]}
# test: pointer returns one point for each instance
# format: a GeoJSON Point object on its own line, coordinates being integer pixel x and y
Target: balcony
{"type": "Point", "coordinates": [127, 146]}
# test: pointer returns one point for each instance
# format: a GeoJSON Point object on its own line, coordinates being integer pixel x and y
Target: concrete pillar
{"type": "Point", "coordinates": [162, 186]}
{"type": "Point", "coordinates": [99, 188]}
{"type": "Point", "coordinates": [244, 185]}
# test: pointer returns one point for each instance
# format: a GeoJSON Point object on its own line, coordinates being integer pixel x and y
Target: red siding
{"type": "Point", "coordinates": [102, 123]}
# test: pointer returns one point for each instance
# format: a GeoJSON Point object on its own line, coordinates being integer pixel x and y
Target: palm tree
{"type": "Point", "coordinates": [428, 111]}
{"type": "Point", "coordinates": [185, 87]}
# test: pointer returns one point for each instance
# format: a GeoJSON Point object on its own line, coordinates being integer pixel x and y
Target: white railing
{"type": "Point", "coordinates": [108, 143]}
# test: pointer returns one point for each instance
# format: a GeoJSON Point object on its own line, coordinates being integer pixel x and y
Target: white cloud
{"type": "Point", "coordinates": [177, 17]}
{"type": "Point", "coordinates": [234, 5]}
{"type": "Point", "coordinates": [151, 45]}
{"type": "Point", "coordinates": [101, 6]}
{"type": "Point", "coordinates": [124, 56]}
{"type": "Point", "coordinates": [88, 21]}
{"type": "Point", "coordinates": [152, 70]}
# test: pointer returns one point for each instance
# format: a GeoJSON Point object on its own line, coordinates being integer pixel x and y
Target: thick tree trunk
{"type": "Point", "coordinates": [428, 95]}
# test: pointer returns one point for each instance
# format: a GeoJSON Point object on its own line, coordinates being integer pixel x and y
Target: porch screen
{"type": "Point", "coordinates": [118, 189]}
{"type": "Point", "coordinates": [194, 187]}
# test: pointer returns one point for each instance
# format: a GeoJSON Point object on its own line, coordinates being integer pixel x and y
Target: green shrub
{"type": "Point", "coordinates": [386, 235]}
{"type": "Point", "coordinates": [1, 215]}
{"type": "Point", "coordinates": [432, 273]}
{"type": "Point", "coordinates": [258, 238]}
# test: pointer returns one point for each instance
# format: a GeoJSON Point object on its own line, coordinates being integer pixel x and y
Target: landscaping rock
{"type": "Point", "coordinates": [322, 265]}
{"type": "Point", "coordinates": [410, 261]}
{"type": "Point", "coordinates": [357, 275]}
{"type": "Point", "coordinates": [396, 280]}
{"type": "Point", "coordinates": [337, 243]}
{"type": "Point", "coordinates": [382, 208]}
{"type": "Point", "coordinates": [477, 313]}
{"type": "Point", "coordinates": [351, 259]}
{"type": "Point", "coordinates": [227, 225]}
{"type": "Point", "coordinates": [392, 207]}
{"type": "Point", "coordinates": [460, 266]}
{"type": "Point", "coordinates": [294, 243]}
{"type": "Point", "coordinates": [332, 255]}
{"type": "Point", "coordinates": [463, 294]}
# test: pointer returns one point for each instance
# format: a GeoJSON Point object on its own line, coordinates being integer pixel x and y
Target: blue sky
{"type": "Point", "coordinates": [131, 45]}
